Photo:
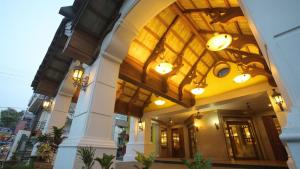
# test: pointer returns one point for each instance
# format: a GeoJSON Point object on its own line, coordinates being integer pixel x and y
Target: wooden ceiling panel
{"type": "Point", "coordinates": [186, 4]}
{"type": "Point", "coordinates": [217, 3]}
{"type": "Point", "coordinates": [167, 15]}
{"type": "Point", "coordinates": [156, 27]}
{"type": "Point", "coordinates": [200, 4]}
{"type": "Point", "coordinates": [178, 35]}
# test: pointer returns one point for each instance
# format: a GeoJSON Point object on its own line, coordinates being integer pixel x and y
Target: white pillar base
{"type": "Point", "coordinates": [131, 149]}
{"type": "Point", "coordinates": [68, 151]}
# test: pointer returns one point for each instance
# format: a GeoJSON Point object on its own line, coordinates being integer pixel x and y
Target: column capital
{"type": "Point", "coordinates": [116, 44]}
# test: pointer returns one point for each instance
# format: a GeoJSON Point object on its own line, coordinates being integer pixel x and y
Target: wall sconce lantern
{"type": "Point", "coordinates": [47, 104]}
{"type": "Point", "coordinates": [197, 124]}
{"type": "Point", "coordinates": [140, 125]}
{"type": "Point", "coordinates": [217, 126]}
{"type": "Point", "coordinates": [78, 77]}
{"type": "Point", "coordinates": [278, 99]}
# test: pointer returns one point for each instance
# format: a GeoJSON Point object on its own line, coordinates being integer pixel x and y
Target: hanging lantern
{"type": "Point", "coordinates": [278, 99]}
{"type": "Point", "coordinates": [219, 42]}
{"type": "Point", "coordinates": [46, 104]}
{"type": "Point", "coordinates": [79, 80]}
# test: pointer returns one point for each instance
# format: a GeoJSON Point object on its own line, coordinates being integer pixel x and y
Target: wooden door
{"type": "Point", "coordinates": [273, 135]}
{"type": "Point", "coordinates": [242, 139]}
{"type": "Point", "coordinates": [178, 143]}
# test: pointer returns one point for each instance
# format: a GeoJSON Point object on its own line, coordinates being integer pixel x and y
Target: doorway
{"type": "Point", "coordinates": [178, 143]}
{"type": "Point", "coordinates": [242, 139]}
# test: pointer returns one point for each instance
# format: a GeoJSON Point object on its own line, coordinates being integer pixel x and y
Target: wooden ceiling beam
{"type": "Point", "coordinates": [177, 65]}
{"type": "Point", "coordinates": [122, 108]}
{"type": "Point", "coordinates": [159, 47]}
{"type": "Point", "coordinates": [190, 75]}
{"type": "Point", "coordinates": [222, 15]}
{"type": "Point", "coordinates": [132, 73]}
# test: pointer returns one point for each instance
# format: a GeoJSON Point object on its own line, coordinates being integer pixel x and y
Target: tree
{"type": "Point", "coordinates": [10, 117]}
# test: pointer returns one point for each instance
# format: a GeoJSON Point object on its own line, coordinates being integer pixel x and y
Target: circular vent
{"type": "Point", "coordinates": [221, 69]}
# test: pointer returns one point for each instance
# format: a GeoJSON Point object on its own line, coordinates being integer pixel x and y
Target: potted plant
{"type": "Point", "coordinates": [45, 152]}
{"type": "Point", "coordinates": [144, 160]}
{"type": "Point", "coordinates": [198, 163]}
{"type": "Point", "coordinates": [106, 161]}
{"type": "Point", "coordinates": [86, 154]}
{"type": "Point", "coordinates": [56, 137]}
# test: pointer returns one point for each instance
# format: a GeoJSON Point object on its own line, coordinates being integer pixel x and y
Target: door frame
{"type": "Point", "coordinates": [253, 137]}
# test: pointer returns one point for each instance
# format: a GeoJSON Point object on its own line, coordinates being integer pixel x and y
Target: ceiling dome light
{"type": "Point", "coordinates": [197, 90]}
{"type": "Point", "coordinates": [242, 78]}
{"type": "Point", "coordinates": [219, 42]}
{"type": "Point", "coordinates": [164, 68]}
{"type": "Point", "coordinates": [159, 102]}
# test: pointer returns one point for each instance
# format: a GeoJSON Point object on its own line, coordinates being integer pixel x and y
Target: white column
{"type": "Point", "coordinates": [276, 26]}
{"type": "Point", "coordinates": [93, 119]}
{"type": "Point", "coordinates": [139, 140]}
{"type": "Point", "coordinates": [59, 111]}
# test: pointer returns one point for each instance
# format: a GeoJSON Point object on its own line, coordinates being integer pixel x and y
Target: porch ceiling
{"type": "Point", "coordinates": [178, 35]}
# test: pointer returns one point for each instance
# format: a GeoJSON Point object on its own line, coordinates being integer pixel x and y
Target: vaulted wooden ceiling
{"type": "Point", "coordinates": [179, 34]}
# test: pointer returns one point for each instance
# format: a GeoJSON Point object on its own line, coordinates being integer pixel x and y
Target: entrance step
{"type": "Point", "coordinates": [257, 164]}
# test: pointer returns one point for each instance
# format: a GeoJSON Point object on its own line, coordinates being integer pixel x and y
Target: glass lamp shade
{"type": "Point", "coordinates": [219, 42]}
{"type": "Point", "coordinates": [159, 102]}
{"type": "Point", "coordinates": [277, 97]}
{"type": "Point", "coordinates": [46, 104]}
{"type": "Point", "coordinates": [164, 68]}
{"type": "Point", "coordinates": [197, 90]}
{"type": "Point", "coordinates": [78, 72]}
{"type": "Point", "coordinates": [242, 78]}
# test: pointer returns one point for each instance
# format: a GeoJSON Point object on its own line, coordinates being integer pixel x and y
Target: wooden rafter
{"type": "Point", "coordinates": [132, 73]}
{"type": "Point", "coordinates": [222, 15]}
{"type": "Point", "coordinates": [159, 47]}
{"type": "Point", "coordinates": [238, 40]}
{"type": "Point", "coordinates": [177, 65]}
{"type": "Point", "coordinates": [190, 75]}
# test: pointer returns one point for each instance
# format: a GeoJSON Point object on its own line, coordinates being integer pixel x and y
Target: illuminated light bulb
{"type": "Point", "coordinates": [219, 42]}
{"type": "Point", "coordinates": [164, 68]}
{"type": "Point", "coordinates": [197, 90]}
{"type": "Point", "coordinates": [242, 78]}
{"type": "Point", "coordinates": [159, 102]}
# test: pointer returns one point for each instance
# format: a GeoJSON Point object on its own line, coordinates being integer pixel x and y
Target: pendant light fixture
{"type": "Point", "coordinates": [241, 77]}
{"type": "Point", "coordinates": [198, 88]}
{"type": "Point", "coordinates": [159, 102]}
{"type": "Point", "coordinates": [219, 42]}
{"type": "Point", "coordinates": [163, 67]}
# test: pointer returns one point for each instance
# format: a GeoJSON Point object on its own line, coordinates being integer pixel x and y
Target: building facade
{"type": "Point", "coordinates": [157, 62]}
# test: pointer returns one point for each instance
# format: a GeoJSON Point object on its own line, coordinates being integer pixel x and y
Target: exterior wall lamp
{"type": "Point", "coordinates": [78, 77]}
{"type": "Point", "coordinates": [47, 104]}
{"type": "Point", "coordinates": [140, 125]}
{"type": "Point", "coordinates": [197, 124]}
{"type": "Point", "coordinates": [278, 99]}
{"type": "Point", "coordinates": [217, 126]}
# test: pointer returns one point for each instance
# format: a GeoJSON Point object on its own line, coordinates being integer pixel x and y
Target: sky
{"type": "Point", "coordinates": [27, 28]}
